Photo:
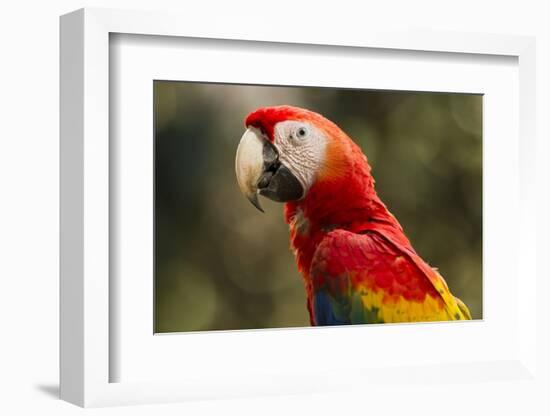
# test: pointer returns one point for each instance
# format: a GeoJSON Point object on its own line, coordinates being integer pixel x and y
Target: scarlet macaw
{"type": "Point", "coordinates": [357, 263]}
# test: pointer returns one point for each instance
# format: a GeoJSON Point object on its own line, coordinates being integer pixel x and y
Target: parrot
{"type": "Point", "coordinates": [357, 264]}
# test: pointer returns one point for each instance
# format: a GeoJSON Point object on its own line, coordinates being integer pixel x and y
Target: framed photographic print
{"type": "Point", "coordinates": [228, 231]}
{"type": "Point", "coordinates": [231, 267]}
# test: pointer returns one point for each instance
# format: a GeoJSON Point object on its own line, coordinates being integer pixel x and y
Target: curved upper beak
{"type": "Point", "coordinates": [259, 171]}
{"type": "Point", "coordinates": [249, 164]}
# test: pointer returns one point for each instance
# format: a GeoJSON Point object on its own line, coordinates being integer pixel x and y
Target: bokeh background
{"type": "Point", "coordinates": [221, 264]}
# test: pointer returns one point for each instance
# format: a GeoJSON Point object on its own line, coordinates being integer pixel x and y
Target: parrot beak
{"type": "Point", "coordinates": [249, 164]}
{"type": "Point", "coordinates": [259, 171]}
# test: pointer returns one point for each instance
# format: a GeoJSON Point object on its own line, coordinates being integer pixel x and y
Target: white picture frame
{"type": "Point", "coordinates": [86, 165]}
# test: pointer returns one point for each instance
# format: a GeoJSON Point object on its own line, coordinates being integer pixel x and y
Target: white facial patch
{"type": "Point", "coordinates": [301, 149]}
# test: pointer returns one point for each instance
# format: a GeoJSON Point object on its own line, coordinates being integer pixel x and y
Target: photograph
{"type": "Point", "coordinates": [292, 206]}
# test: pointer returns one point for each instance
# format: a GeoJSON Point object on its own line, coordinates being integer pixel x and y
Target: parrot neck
{"type": "Point", "coordinates": [344, 202]}
{"type": "Point", "coordinates": [349, 202]}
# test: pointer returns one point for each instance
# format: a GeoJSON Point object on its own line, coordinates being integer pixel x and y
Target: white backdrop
{"type": "Point", "coordinates": [29, 207]}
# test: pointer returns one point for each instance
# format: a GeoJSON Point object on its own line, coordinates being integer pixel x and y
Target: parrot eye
{"type": "Point", "coordinates": [301, 132]}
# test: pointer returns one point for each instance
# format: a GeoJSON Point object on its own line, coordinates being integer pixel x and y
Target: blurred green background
{"type": "Point", "coordinates": [221, 264]}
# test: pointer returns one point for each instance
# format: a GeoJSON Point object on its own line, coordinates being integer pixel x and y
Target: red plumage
{"type": "Point", "coordinates": [348, 245]}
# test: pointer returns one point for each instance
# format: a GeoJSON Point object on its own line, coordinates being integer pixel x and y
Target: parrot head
{"type": "Point", "coordinates": [286, 151]}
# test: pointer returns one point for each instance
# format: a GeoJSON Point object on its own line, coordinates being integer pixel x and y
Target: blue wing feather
{"type": "Point", "coordinates": [327, 311]}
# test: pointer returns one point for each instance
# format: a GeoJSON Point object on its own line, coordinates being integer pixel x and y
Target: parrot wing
{"type": "Point", "coordinates": [370, 277]}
